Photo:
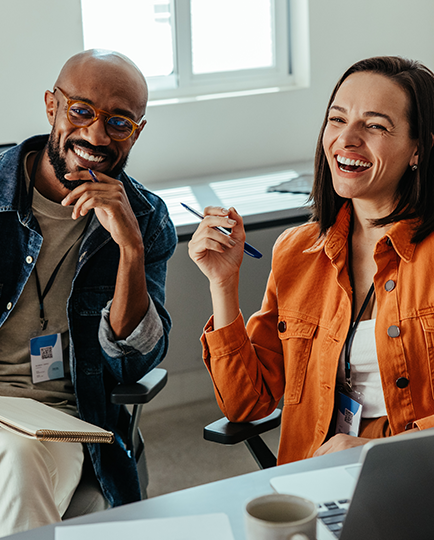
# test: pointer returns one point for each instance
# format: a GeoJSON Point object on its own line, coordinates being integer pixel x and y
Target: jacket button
{"type": "Point", "coordinates": [390, 285]}
{"type": "Point", "coordinates": [393, 331]}
{"type": "Point", "coordinates": [282, 327]}
{"type": "Point", "coordinates": [402, 382]}
{"type": "Point", "coordinates": [29, 259]}
{"type": "Point", "coordinates": [408, 426]}
{"type": "Point", "coordinates": [9, 306]}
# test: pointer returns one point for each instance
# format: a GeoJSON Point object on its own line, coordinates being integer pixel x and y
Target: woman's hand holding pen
{"type": "Point", "coordinates": [219, 257]}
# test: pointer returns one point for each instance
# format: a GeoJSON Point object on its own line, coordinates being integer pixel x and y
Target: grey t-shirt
{"type": "Point", "coordinates": [59, 231]}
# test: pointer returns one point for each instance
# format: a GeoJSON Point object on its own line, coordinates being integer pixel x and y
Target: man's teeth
{"type": "Point", "coordinates": [353, 162]}
{"type": "Point", "coordinates": [87, 156]}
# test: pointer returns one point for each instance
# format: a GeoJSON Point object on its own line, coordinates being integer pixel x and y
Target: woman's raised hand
{"type": "Point", "coordinates": [218, 256]}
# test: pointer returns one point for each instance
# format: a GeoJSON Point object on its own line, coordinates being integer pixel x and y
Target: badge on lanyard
{"type": "Point", "coordinates": [46, 358]}
{"type": "Point", "coordinates": [349, 412]}
{"type": "Point", "coordinates": [349, 402]}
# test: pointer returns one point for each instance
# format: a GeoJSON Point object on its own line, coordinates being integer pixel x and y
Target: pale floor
{"type": "Point", "coordinates": [178, 456]}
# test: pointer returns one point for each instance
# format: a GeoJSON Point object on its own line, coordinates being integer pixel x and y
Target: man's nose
{"type": "Point", "coordinates": [96, 133]}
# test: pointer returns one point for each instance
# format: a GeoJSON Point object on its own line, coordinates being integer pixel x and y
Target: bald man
{"type": "Point", "coordinates": [82, 283]}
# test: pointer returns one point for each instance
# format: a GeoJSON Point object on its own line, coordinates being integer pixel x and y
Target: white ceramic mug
{"type": "Point", "coordinates": [280, 517]}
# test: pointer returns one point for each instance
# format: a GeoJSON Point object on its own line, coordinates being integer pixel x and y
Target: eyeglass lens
{"type": "Point", "coordinates": [82, 114]}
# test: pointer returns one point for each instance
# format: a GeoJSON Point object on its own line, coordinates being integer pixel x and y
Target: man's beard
{"type": "Point", "coordinates": [58, 162]}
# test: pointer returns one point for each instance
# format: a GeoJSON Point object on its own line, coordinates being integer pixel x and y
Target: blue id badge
{"type": "Point", "coordinates": [46, 358]}
{"type": "Point", "coordinates": [349, 413]}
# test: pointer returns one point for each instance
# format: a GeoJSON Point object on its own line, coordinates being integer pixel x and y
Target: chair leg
{"type": "Point", "coordinates": [135, 445]}
{"type": "Point", "coordinates": [142, 470]}
{"type": "Point", "coordinates": [263, 456]}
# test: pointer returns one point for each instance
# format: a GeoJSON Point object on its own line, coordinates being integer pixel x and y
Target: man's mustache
{"type": "Point", "coordinates": [100, 150]}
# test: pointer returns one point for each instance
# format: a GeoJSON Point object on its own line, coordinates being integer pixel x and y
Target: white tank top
{"type": "Point", "coordinates": [365, 374]}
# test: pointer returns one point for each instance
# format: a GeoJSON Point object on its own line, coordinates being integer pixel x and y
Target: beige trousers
{"type": "Point", "coordinates": [37, 481]}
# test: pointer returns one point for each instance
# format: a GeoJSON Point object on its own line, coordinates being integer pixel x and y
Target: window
{"type": "Point", "coordinates": [231, 36]}
{"type": "Point", "coordinates": [199, 47]}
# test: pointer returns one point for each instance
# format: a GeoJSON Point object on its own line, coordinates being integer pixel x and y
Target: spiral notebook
{"type": "Point", "coordinates": [34, 420]}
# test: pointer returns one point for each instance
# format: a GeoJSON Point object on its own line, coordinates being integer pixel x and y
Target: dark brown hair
{"type": "Point", "coordinates": [416, 188]}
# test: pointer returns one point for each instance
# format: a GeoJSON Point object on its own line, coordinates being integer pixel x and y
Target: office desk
{"type": "Point", "coordinates": [247, 192]}
{"type": "Point", "coordinates": [227, 496]}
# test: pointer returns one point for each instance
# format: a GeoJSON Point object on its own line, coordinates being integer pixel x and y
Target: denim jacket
{"type": "Point", "coordinates": [97, 361]}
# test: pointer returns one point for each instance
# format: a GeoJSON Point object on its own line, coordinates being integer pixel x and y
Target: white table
{"type": "Point", "coordinates": [227, 496]}
{"type": "Point", "coordinates": [247, 192]}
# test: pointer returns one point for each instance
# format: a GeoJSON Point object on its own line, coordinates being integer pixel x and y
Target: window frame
{"type": "Point", "coordinates": [291, 67]}
{"type": "Point", "coordinates": [184, 84]}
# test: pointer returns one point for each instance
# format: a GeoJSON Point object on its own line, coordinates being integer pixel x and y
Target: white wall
{"type": "Point", "coordinates": [208, 137]}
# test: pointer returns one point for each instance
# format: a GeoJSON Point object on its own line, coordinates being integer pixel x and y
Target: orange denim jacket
{"type": "Point", "coordinates": [291, 347]}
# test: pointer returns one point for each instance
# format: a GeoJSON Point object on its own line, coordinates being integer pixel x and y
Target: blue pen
{"type": "Point", "coordinates": [250, 250]}
{"type": "Point", "coordinates": [93, 176]}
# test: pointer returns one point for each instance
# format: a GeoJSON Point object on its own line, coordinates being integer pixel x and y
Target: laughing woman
{"type": "Point", "coordinates": [347, 320]}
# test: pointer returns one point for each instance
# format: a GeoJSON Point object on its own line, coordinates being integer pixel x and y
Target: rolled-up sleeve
{"type": "Point", "coordinates": [143, 338]}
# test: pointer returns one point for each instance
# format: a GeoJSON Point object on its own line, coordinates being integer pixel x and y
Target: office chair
{"type": "Point", "coordinates": [224, 432]}
{"type": "Point", "coordinates": [88, 497]}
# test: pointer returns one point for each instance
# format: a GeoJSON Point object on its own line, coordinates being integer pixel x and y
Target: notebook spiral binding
{"type": "Point", "coordinates": [67, 436]}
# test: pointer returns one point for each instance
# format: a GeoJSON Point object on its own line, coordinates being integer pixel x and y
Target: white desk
{"type": "Point", "coordinates": [227, 496]}
{"type": "Point", "coordinates": [247, 192]}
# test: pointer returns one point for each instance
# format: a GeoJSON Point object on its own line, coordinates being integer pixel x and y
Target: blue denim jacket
{"type": "Point", "coordinates": [94, 370]}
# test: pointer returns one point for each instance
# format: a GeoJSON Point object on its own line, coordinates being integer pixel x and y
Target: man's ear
{"type": "Point", "coordinates": [50, 106]}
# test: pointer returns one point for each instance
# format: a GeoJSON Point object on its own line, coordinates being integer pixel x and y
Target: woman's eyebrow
{"type": "Point", "coordinates": [370, 114]}
{"type": "Point", "coordinates": [337, 108]}
{"type": "Point", "coordinates": [367, 114]}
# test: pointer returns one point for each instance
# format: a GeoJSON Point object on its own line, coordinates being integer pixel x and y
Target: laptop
{"type": "Point", "coordinates": [389, 494]}
{"type": "Point", "coordinates": [300, 184]}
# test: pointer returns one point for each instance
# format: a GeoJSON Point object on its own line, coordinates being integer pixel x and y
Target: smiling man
{"type": "Point", "coordinates": [85, 254]}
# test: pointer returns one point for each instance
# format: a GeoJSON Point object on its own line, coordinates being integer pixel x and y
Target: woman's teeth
{"type": "Point", "coordinates": [353, 162]}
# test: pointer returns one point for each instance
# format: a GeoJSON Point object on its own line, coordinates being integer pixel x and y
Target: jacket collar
{"type": "Point", "coordinates": [400, 235]}
{"type": "Point", "coordinates": [335, 239]}
{"type": "Point", "coordinates": [13, 193]}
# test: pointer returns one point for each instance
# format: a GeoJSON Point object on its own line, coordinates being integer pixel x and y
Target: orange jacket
{"type": "Point", "coordinates": [291, 347]}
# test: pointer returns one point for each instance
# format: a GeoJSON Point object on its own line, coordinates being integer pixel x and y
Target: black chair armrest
{"type": "Point", "coordinates": [225, 432]}
{"type": "Point", "coordinates": [138, 394]}
{"type": "Point", "coordinates": [142, 391]}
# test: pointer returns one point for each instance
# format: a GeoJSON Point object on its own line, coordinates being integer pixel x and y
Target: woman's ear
{"type": "Point", "coordinates": [414, 161]}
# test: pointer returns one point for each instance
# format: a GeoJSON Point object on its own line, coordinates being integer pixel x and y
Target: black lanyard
{"type": "Point", "coordinates": [42, 295]}
{"type": "Point", "coordinates": [350, 337]}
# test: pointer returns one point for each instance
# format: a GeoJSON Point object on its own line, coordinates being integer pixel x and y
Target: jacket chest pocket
{"type": "Point", "coordinates": [90, 302]}
{"type": "Point", "coordinates": [296, 338]}
{"type": "Point", "coordinates": [428, 330]}
{"type": "Point", "coordinates": [87, 306]}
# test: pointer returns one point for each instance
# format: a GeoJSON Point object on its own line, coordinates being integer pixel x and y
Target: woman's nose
{"type": "Point", "coordinates": [350, 135]}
